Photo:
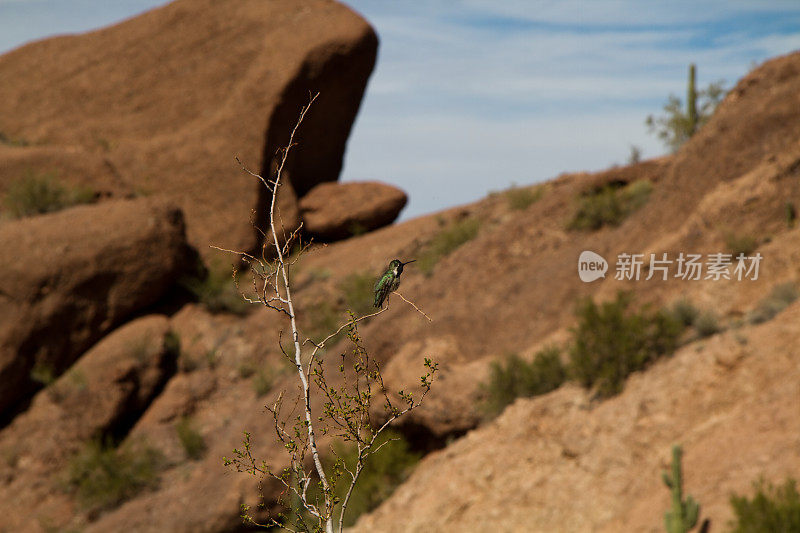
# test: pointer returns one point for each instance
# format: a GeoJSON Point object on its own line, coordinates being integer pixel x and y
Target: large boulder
{"type": "Point", "coordinates": [171, 96]}
{"type": "Point", "coordinates": [333, 211]}
{"type": "Point", "coordinates": [101, 395]}
{"type": "Point", "coordinates": [67, 278]}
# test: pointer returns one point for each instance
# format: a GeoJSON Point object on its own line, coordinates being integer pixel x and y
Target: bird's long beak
{"type": "Point", "coordinates": [407, 262]}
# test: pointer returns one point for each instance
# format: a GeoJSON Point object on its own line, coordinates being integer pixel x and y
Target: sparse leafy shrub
{"type": "Point", "coordinates": [262, 381]}
{"type": "Point", "coordinates": [213, 287]}
{"type": "Point", "coordinates": [771, 509]}
{"type": "Point", "coordinates": [191, 439]}
{"type": "Point", "coordinates": [612, 341]}
{"type": "Point", "coordinates": [36, 194]}
{"type": "Point", "coordinates": [43, 373]}
{"type": "Point", "coordinates": [685, 312]}
{"type": "Point", "coordinates": [103, 476]}
{"type": "Point", "coordinates": [781, 297]}
{"type": "Point", "coordinates": [516, 378]}
{"type": "Point", "coordinates": [447, 241]}
{"type": "Point", "coordinates": [609, 205]}
{"type": "Point", "coordinates": [520, 198]}
{"type": "Point", "coordinates": [707, 324]}
{"type": "Point", "coordinates": [740, 244]}
{"type": "Point", "coordinates": [246, 369]}
{"type": "Point", "coordinates": [357, 292]}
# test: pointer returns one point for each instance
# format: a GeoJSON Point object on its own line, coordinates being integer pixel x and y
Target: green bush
{"type": "Point", "coordinates": [685, 312]}
{"type": "Point", "coordinates": [262, 381]}
{"type": "Point", "coordinates": [609, 205]}
{"type": "Point", "coordinates": [740, 244]}
{"type": "Point", "coordinates": [103, 476]}
{"type": "Point", "coordinates": [515, 378]}
{"type": "Point", "coordinates": [213, 287]}
{"type": "Point", "coordinates": [611, 342]}
{"type": "Point", "coordinates": [43, 373]}
{"type": "Point", "coordinates": [707, 324]}
{"type": "Point", "coordinates": [520, 198]}
{"type": "Point", "coordinates": [191, 439]}
{"type": "Point", "coordinates": [771, 509]}
{"type": "Point", "coordinates": [781, 297]}
{"type": "Point", "coordinates": [447, 241]}
{"type": "Point", "coordinates": [36, 194]}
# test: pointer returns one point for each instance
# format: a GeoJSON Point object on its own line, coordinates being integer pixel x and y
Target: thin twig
{"type": "Point", "coordinates": [414, 306]}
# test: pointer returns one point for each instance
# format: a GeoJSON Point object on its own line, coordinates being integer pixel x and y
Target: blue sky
{"type": "Point", "coordinates": [470, 96]}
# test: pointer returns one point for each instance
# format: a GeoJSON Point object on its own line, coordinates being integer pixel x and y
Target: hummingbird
{"type": "Point", "coordinates": [389, 281]}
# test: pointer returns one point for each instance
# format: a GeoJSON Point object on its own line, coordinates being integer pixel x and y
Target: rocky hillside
{"type": "Point", "coordinates": [105, 360]}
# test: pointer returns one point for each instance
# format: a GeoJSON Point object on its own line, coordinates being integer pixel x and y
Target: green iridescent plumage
{"type": "Point", "coordinates": [389, 281]}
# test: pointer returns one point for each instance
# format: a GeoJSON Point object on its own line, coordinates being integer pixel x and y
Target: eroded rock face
{"type": "Point", "coordinates": [101, 395]}
{"type": "Point", "coordinates": [333, 211]}
{"type": "Point", "coordinates": [169, 98]}
{"type": "Point", "coordinates": [68, 278]}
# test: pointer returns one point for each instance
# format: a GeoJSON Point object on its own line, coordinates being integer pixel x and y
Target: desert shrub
{"type": "Point", "coordinates": [214, 289]}
{"type": "Point", "coordinates": [609, 205]}
{"type": "Point", "coordinates": [447, 241]}
{"type": "Point", "coordinates": [36, 194]}
{"type": "Point", "coordinates": [191, 439]}
{"type": "Point", "coordinates": [262, 381]}
{"type": "Point", "coordinates": [8, 140]}
{"type": "Point", "coordinates": [43, 373]}
{"type": "Point", "coordinates": [172, 344]}
{"type": "Point", "coordinates": [772, 509]}
{"type": "Point", "coordinates": [781, 297]}
{"type": "Point", "coordinates": [707, 324]}
{"type": "Point", "coordinates": [515, 378]}
{"type": "Point", "coordinates": [358, 292]}
{"type": "Point", "coordinates": [520, 198]}
{"type": "Point", "coordinates": [246, 369]}
{"type": "Point", "coordinates": [356, 228]}
{"type": "Point", "coordinates": [611, 341]}
{"type": "Point", "coordinates": [740, 244]}
{"type": "Point", "coordinates": [790, 214]}
{"type": "Point", "coordinates": [685, 312]}
{"type": "Point", "coordinates": [103, 476]}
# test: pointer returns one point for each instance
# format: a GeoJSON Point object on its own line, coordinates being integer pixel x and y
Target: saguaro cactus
{"type": "Point", "coordinates": [683, 515]}
{"type": "Point", "coordinates": [691, 102]}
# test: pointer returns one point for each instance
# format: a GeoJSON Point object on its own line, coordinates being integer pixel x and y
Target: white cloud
{"type": "Point", "coordinates": [469, 96]}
